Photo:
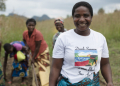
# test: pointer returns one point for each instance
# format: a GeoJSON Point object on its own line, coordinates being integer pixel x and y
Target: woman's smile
{"type": "Point", "coordinates": [82, 18]}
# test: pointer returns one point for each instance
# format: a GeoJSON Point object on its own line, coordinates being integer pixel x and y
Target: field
{"type": "Point", "coordinates": [11, 29]}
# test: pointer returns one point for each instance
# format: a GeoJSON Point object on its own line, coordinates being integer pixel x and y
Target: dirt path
{"type": "Point", "coordinates": [17, 80]}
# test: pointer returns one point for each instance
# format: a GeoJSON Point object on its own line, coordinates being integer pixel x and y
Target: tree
{"type": "Point", "coordinates": [116, 10]}
{"type": "Point", "coordinates": [101, 11]}
{"type": "Point", "coordinates": [67, 16]}
{"type": "Point", "coordinates": [2, 5]}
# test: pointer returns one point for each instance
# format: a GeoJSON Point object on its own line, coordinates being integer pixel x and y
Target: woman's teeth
{"type": "Point", "coordinates": [82, 24]}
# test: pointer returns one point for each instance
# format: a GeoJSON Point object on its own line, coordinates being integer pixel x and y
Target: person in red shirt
{"type": "Point", "coordinates": [39, 50]}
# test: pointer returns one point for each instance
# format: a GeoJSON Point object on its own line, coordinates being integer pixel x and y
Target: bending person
{"type": "Point", "coordinates": [40, 52]}
{"type": "Point", "coordinates": [20, 67]}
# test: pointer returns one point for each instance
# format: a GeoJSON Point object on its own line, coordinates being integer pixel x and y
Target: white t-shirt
{"type": "Point", "coordinates": [81, 54]}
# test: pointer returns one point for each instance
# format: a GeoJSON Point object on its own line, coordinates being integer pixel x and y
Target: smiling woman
{"type": "Point", "coordinates": [80, 53]}
{"type": "Point", "coordinates": [59, 24]}
{"type": "Point", "coordinates": [40, 53]}
{"type": "Point", "coordinates": [82, 19]}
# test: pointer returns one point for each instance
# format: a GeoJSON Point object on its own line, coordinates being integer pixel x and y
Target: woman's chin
{"type": "Point", "coordinates": [82, 29]}
{"type": "Point", "coordinates": [30, 31]}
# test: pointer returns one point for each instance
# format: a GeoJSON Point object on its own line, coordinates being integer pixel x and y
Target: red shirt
{"type": "Point", "coordinates": [30, 41]}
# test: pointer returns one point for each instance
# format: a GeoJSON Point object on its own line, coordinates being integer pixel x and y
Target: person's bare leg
{"type": "Point", "coordinates": [23, 78]}
{"type": "Point", "coordinates": [11, 78]}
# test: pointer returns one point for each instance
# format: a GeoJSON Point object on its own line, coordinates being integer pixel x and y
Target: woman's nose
{"type": "Point", "coordinates": [81, 18]}
{"type": "Point", "coordinates": [58, 26]}
{"type": "Point", "coordinates": [31, 26]}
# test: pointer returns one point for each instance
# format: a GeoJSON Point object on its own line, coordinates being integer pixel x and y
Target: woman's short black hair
{"type": "Point", "coordinates": [7, 46]}
{"type": "Point", "coordinates": [30, 20]}
{"type": "Point", "coordinates": [82, 3]}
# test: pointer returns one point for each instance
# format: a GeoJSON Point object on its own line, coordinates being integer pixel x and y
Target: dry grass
{"type": "Point", "coordinates": [11, 29]}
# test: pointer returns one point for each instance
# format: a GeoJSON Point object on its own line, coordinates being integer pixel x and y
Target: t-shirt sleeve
{"type": "Point", "coordinates": [105, 52]}
{"type": "Point", "coordinates": [17, 46]}
{"type": "Point", "coordinates": [58, 51]}
{"type": "Point", "coordinates": [38, 36]}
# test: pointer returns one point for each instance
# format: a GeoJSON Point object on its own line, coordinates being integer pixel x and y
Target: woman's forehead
{"type": "Point", "coordinates": [81, 8]}
{"type": "Point", "coordinates": [31, 23]}
{"type": "Point", "coordinates": [58, 23]}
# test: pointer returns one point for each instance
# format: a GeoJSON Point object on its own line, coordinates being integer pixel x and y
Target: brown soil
{"type": "Point", "coordinates": [17, 80]}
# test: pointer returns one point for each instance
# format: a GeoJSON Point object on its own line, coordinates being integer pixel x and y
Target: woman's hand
{"type": "Point", "coordinates": [110, 84]}
{"type": "Point", "coordinates": [106, 71]}
{"type": "Point", "coordinates": [26, 48]}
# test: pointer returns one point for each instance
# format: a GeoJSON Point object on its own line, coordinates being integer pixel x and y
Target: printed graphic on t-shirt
{"type": "Point", "coordinates": [86, 57]}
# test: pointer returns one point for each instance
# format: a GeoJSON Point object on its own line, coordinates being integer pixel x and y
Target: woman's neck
{"type": "Point", "coordinates": [83, 33]}
{"type": "Point", "coordinates": [29, 33]}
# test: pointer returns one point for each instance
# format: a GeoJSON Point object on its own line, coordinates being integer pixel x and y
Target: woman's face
{"type": "Point", "coordinates": [30, 26]}
{"type": "Point", "coordinates": [82, 18]}
{"type": "Point", "coordinates": [59, 27]}
{"type": "Point", "coordinates": [10, 50]}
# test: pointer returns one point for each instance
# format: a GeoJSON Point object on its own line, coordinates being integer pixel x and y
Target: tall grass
{"type": "Point", "coordinates": [108, 25]}
{"type": "Point", "coordinates": [12, 29]}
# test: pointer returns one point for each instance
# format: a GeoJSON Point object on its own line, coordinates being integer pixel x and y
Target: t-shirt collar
{"type": "Point", "coordinates": [33, 33]}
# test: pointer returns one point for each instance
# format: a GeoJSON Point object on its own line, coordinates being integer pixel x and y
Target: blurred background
{"type": "Point", "coordinates": [106, 19]}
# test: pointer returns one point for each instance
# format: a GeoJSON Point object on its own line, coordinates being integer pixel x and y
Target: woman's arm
{"type": "Point", "coordinates": [26, 47]}
{"type": "Point", "coordinates": [4, 65]}
{"type": "Point", "coordinates": [55, 71]}
{"type": "Point", "coordinates": [37, 47]}
{"type": "Point", "coordinates": [25, 44]}
{"type": "Point", "coordinates": [106, 71]}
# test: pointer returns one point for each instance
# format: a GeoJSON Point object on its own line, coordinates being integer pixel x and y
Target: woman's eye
{"type": "Point", "coordinates": [86, 15]}
{"type": "Point", "coordinates": [77, 16]}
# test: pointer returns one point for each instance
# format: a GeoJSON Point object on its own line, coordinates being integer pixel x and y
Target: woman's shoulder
{"type": "Point", "coordinates": [66, 34]}
{"type": "Point", "coordinates": [25, 32]}
{"type": "Point", "coordinates": [37, 32]}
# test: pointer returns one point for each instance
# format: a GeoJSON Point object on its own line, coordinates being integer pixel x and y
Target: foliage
{"type": "Point", "coordinates": [101, 11]}
{"type": "Point", "coordinates": [116, 10]}
{"type": "Point", "coordinates": [2, 5]}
